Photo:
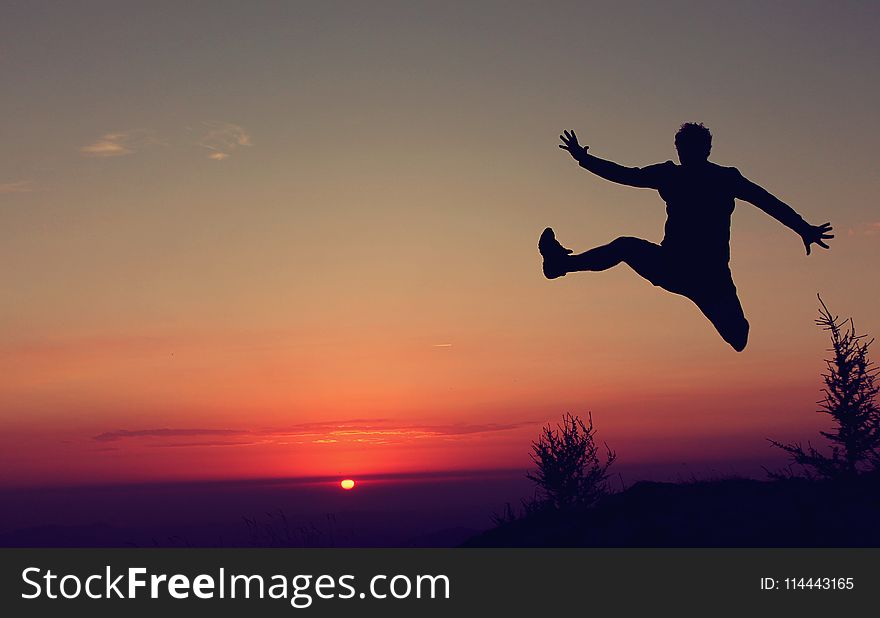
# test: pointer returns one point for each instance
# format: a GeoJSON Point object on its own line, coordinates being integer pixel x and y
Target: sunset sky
{"type": "Point", "coordinates": [294, 239]}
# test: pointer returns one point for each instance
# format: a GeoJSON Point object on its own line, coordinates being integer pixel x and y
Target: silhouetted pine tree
{"type": "Point", "coordinates": [851, 401]}
{"type": "Point", "coordinates": [569, 471]}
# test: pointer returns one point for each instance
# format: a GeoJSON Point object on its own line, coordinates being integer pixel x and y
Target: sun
{"type": "Point", "coordinates": [346, 484]}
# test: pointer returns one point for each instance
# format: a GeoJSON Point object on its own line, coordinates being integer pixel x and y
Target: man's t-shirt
{"type": "Point", "coordinates": [699, 203]}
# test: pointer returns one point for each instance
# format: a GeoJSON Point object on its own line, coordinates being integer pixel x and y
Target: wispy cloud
{"type": "Point", "coordinates": [359, 431]}
{"type": "Point", "coordinates": [868, 229]}
{"type": "Point", "coordinates": [119, 143]}
{"type": "Point", "coordinates": [222, 138]}
{"type": "Point", "coordinates": [18, 186]}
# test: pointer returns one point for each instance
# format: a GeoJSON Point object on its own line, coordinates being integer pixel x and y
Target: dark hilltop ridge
{"type": "Point", "coordinates": [792, 512]}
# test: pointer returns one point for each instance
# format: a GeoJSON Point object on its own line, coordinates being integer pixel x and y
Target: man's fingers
{"type": "Point", "coordinates": [827, 236]}
{"type": "Point", "coordinates": [822, 244]}
{"type": "Point", "coordinates": [570, 141]}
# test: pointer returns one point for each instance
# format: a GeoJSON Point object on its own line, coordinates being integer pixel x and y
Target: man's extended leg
{"type": "Point", "coordinates": [642, 256]}
{"type": "Point", "coordinates": [714, 294]}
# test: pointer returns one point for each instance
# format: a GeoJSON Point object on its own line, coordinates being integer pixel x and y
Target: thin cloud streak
{"type": "Point", "coordinates": [376, 432]}
{"type": "Point", "coordinates": [163, 433]}
{"type": "Point", "coordinates": [207, 443]}
{"type": "Point", "coordinates": [868, 229]}
{"type": "Point", "coordinates": [18, 186]}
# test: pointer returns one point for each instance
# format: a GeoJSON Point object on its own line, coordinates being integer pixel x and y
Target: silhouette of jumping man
{"type": "Point", "coordinates": [693, 258]}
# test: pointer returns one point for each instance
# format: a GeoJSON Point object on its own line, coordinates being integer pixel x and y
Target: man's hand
{"type": "Point", "coordinates": [570, 143]}
{"type": "Point", "coordinates": [817, 234]}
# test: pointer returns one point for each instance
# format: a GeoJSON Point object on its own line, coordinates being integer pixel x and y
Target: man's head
{"type": "Point", "coordinates": [693, 142]}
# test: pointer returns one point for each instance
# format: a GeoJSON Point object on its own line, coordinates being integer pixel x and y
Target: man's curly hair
{"type": "Point", "coordinates": [694, 138]}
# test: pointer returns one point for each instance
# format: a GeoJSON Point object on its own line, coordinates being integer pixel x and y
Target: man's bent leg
{"type": "Point", "coordinates": [726, 314]}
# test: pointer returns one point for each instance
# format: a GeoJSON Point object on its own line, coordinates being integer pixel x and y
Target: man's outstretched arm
{"type": "Point", "coordinates": [631, 176]}
{"type": "Point", "coordinates": [782, 212]}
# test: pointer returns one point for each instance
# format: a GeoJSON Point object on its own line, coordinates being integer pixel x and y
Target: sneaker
{"type": "Point", "coordinates": [554, 254]}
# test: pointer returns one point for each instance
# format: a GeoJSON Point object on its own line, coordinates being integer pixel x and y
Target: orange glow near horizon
{"type": "Point", "coordinates": [305, 242]}
{"type": "Point", "coordinates": [347, 484]}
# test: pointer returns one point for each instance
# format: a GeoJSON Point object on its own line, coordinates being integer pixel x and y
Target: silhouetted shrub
{"type": "Point", "coordinates": [851, 402]}
{"type": "Point", "coordinates": [569, 471]}
{"type": "Point", "coordinates": [506, 516]}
